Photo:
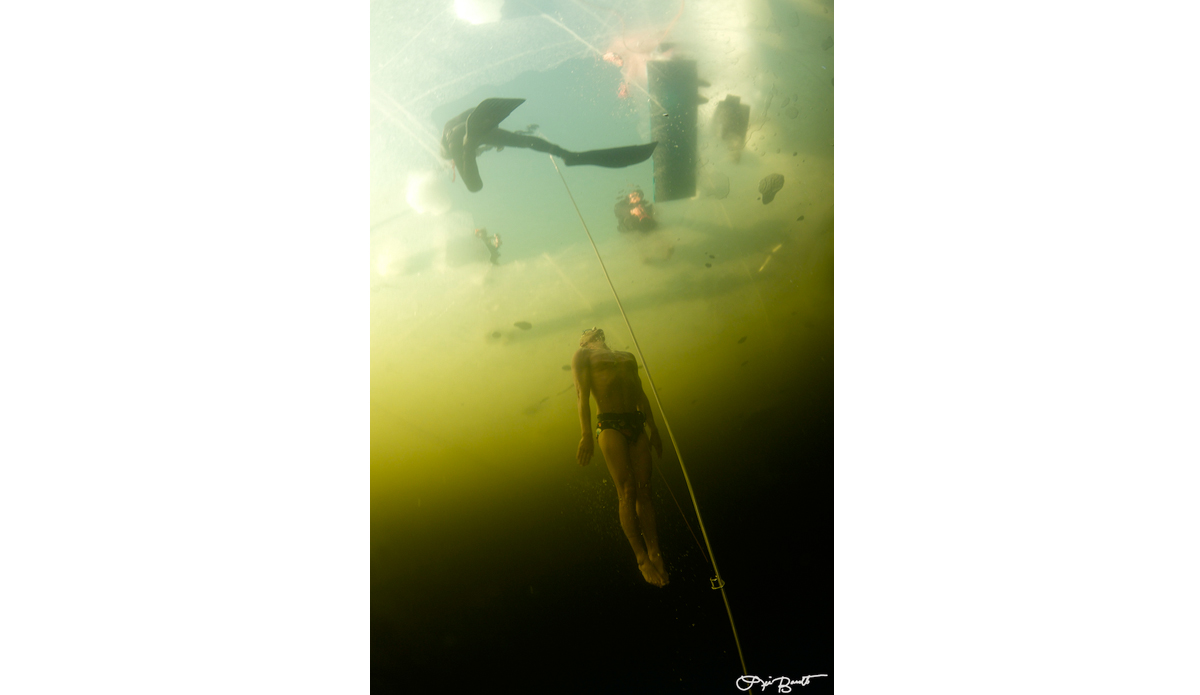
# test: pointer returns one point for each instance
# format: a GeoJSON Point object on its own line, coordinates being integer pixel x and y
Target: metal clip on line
{"type": "Point", "coordinates": [716, 582]}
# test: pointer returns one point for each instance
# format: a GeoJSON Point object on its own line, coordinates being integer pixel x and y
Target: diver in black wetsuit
{"type": "Point", "coordinates": [464, 134]}
{"type": "Point", "coordinates": [634, 212]}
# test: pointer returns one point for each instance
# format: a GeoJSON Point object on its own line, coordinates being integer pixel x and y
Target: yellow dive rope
{"type": "Point", "coordinates": [716, 581]}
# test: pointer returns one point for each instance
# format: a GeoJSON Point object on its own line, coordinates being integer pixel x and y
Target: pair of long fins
{"type": "Point", "coordinates": [487, 117]}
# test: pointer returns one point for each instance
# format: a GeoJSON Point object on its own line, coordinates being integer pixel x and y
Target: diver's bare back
{"type": "Point", "coordinates": [615, 381]}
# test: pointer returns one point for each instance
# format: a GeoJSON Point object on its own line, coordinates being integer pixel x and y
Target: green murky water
{"type": "Point", "coordinates": [485, 533]}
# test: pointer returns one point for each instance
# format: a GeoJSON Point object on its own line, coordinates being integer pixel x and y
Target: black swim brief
{"type": "Point", "coordinates": [628, 424]}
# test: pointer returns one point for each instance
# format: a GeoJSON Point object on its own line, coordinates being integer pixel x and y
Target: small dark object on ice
{"type": "Point", "coordinates": [769, 186]}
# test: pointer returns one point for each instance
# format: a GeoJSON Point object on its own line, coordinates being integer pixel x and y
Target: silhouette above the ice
{"type": "Point", "coordinates": [475, 128]}
{"type": "Point", "coordinates": [732, 118]}
{"type": "Point", "coordinates": [492, 242]}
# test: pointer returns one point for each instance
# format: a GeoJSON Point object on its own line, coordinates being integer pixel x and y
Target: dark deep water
{"type": "Point", "coordinates": [548, 596]}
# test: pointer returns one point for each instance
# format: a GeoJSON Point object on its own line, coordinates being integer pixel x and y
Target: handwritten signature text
{"type": "Point", "coordinates": [782, 683]}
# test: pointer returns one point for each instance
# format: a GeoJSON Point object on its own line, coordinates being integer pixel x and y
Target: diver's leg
{"type": "Point", "coordinates": [639, 455]}
{"type": "Point", "coordinates": [613, 158]}
{"type": "Point", "coordinates": [504, 138]}
{"type": "Point", "coordinates": [616, 455]}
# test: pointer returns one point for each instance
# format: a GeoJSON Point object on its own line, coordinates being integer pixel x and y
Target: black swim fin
{"type": "Point", "coordinates": [613, 158]}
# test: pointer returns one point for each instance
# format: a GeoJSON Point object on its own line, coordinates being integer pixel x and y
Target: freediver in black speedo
{"type": "Point", "coordinates": [466, 133]}
{"type": "Point", "coordinates": [612, 378]}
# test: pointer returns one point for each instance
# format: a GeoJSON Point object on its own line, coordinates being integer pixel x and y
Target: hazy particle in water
{"type": "Point", "coordinates": [523, 325]}
{"type": "Point", "coordinates": [717, 185]}
{"type": "Point", "coordinates": [795, 153]}
{"type": "Point", "coordinates": [743, 339]}
{"type": "Point", "coordinates": [791, 112]}
{"type": "Point", "coordinates": [745, 363]}
{"type": "Point", "coordinates": [712, 256]}
{"type": "Point", "coordinates": [800, 218]}
{"type": "Point", "coordinates": [708, 265]}
{"type": "Point", "coordinates": [495, 334]}
{"type": "Point", "coordinates": [566, 367]}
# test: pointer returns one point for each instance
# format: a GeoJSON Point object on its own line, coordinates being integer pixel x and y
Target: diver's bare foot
{"type": "Point", "coordinates": [661, 565]}
{"type": "Point", "coordinates": [650, 573]}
